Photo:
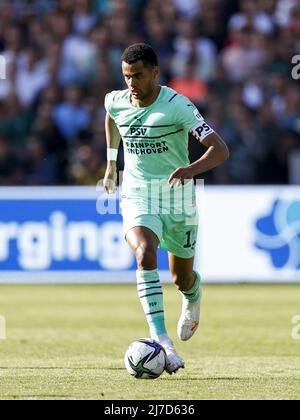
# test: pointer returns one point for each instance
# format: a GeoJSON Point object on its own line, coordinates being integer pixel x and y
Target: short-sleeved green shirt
{"type": "Point", "coordinates": [155, 138]}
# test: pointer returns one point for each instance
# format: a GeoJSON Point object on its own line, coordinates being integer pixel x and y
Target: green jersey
{"type": "Point", "coordinates": [155, 138]}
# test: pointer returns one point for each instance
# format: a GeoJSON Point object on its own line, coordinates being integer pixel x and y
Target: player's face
{"type": "Point", "coordinates": [140, 79]}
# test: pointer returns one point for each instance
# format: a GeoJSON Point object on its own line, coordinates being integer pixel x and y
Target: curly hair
{"type": "Point", "coordinates": [143, 52]}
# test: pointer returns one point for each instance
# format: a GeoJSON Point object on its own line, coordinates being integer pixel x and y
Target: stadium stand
{"type": "Point", "coordinates": [233, 58]}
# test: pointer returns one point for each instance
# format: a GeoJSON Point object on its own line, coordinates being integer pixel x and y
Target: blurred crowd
{"type": "Point", "coordinates": [231, 57]}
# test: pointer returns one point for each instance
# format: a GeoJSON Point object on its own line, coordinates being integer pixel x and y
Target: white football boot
{"type": "Point", "coordinates": [174, 361]}
{"type": "Point", "coordinates": [190, 318]}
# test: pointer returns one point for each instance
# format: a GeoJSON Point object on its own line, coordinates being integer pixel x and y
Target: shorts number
{"type": "Point", "coordinates": [189, 243]}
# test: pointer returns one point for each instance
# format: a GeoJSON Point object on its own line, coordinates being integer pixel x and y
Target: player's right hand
{"type": "Point", "coordinates": [110, 179]}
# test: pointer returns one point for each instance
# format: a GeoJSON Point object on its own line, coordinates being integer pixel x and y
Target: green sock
{"type": "Point", "coordinates": [151, 297]}
{"type": "Point", "coordinates": [194, 294]}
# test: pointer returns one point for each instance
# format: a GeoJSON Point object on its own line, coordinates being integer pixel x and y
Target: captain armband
{"type": "Point", "coordinates": [201, 130]}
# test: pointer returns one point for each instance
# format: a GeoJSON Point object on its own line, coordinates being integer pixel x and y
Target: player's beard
{"type": "Point", "coordinates": [146, 95]}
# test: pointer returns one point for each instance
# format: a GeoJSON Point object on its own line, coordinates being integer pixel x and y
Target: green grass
{"type": "Point", "coordinates": [68, 342]}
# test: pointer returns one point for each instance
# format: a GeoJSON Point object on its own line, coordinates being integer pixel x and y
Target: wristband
{"type": "Point", "coordinates": [112, 154]}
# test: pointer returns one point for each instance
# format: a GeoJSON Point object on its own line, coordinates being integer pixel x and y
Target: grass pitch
{"type": "Point", "coordinates": [68, 342]}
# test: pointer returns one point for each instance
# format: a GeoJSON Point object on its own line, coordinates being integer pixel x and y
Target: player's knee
{"type": "Point", "coordinates": [146, 256]}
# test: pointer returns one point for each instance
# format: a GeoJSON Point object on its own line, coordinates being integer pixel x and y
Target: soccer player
{"type": "Point", "coordinates": [154, 123]}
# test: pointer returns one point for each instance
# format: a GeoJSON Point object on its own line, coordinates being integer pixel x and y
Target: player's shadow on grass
{"type": "Point", "coordinates": [204, 379]}
{"type": "Point", "coordinates": [54, 368]}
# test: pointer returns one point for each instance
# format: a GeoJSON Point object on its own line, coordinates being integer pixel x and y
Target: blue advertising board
{"type": "Point", "coordinates": [60, 233]}
{"type": "Point", "coordinates": [75, 235]}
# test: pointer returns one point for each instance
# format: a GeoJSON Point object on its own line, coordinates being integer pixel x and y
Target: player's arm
{"type": "Point", "coordinates": [113, 139]}
{"type": "Point", "coordinates": [188, 117]}
{"type": "Point", "coordinates": [216, 154]}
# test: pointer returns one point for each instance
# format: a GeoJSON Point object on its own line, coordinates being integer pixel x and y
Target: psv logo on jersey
{"type": "Point", "coordinates": [138, 131]}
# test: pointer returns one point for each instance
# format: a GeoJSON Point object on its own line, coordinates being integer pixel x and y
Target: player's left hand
{"type": "Point", "coordinates": [180, 177]}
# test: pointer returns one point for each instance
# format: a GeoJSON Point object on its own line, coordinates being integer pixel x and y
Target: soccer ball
{"type": "Point", "coordinates": [146, 359]}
